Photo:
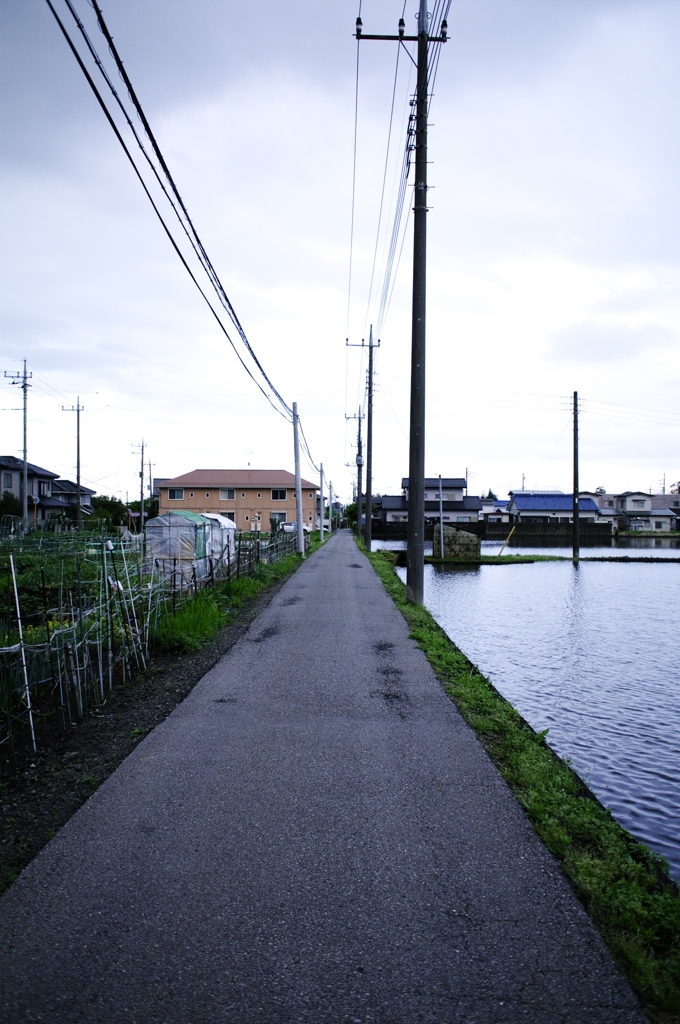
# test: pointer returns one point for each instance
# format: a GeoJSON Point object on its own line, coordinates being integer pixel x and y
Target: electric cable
{"type": "Point", "coordinates": [190, 231]}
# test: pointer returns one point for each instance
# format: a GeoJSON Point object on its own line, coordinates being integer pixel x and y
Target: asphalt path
{"type": "Point", "coordinates": [313, 837]}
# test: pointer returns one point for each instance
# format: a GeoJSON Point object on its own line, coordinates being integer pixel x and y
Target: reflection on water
{"type": "Point", "coordinates": [639, 547]}
{"type": "Point", "coordinates": [590, 652]}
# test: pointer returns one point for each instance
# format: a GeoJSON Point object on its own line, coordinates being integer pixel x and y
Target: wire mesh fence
{"type": "Point", "coordinates": [78, 613]}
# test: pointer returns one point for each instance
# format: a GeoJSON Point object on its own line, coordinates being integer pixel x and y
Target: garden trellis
{"type": "Point", "coordinates": [81, 611]}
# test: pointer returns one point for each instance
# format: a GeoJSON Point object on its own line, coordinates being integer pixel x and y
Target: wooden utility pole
{"type": "Point", "coordinates": [576, 531]}
{"type": "Point", "coordinates": [77, 409]}
{"type": "Point", "coordinates": [415, 555]}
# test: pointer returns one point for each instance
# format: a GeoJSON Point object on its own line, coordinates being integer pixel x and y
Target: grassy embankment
{"type": "Point", "coordinates": [623, 885]}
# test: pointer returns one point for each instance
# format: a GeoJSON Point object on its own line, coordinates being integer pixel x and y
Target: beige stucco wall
{"type": "Point", "coordinates": [248, 504]}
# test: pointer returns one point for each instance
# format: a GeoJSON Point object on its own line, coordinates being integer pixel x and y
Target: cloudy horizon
{"type": "Point", "coordinates": [553, 255]}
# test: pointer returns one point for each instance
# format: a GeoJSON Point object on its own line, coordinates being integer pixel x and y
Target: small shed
{"type": "Point", "coordinates": [183, 541]}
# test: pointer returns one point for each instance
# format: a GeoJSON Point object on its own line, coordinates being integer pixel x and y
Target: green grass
{"type": "Point", "coordinates": [623, 885]}
{"type": "Point", "coordinates": [201, 618]}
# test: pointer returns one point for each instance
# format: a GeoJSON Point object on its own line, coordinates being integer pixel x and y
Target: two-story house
{"type": "Point", "coordinates": [40, 500]}
{"type": "Point", "coordinates": [249, 497]}
{"type": "Point", "coordinates": [457, 506]}
{"type": "Point", "coordinates": [638, 510]}
{"type": "Point", "coordinates": [67, 493]}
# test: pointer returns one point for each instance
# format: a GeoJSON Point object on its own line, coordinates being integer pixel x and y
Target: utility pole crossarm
{"type": "Point", "coordinates": [401, 37]}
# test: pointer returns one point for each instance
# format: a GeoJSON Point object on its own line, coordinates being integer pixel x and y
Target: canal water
{"type": "Point", "coordinates": [592, 653]}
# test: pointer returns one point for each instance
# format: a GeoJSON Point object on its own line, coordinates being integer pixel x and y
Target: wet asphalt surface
{"type": "Point", "coordinates": [313, 837]}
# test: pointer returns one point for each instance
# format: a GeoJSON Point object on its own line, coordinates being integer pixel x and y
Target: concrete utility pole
{"type": "Point", "coordinates": [22, 380]}
{"type": "Point", "coordinates": [576, 533]}
{"type": "Point", "coordinates": [369, 441]}
{"type": "Point", "coordinates": [298, 482]}
{"type": "Point", "coordinates": [330, 506]}
{"type": "Point", "coordinates": [441, 519]}
{"type": "Point", "coordinates": [77, 409]}
{"type": "Point", "coordinates": [141, 487]}
{"type": "Point", "coordinates": [321, 501]}
{"type": "Point", "coordinates": [369, 432]}
{"type": "Point", "coordinates": [360, 467]}
{"type": "Point", "coordinates": [359, 464]}
{"type": "Point", "coordinates": [415, 555]}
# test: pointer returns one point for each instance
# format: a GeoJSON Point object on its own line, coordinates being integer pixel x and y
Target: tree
{"type": "Point", "coordinates": [350, 514]}
{"type": "Point", "coordinates": [110, 509]}
{"type": "Point", "coordinates": [10, 506]}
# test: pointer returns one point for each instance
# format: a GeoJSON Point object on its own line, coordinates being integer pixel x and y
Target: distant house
{"type": "Point", "coordinates": [453, 488]}
{"type": "Point", "coordinates": [67, 493]}
{"type": "Point", "coordinates": [638, 511]}
{"type": "Point", "coordinates": [39, 491]}
{"type": "Point", "coordinates": [48, 496]}
{"type": "Point", "coordinates": [552, 507]}
{"type": "Point", "coordinates": [457, 506]}
{"type": "Point", "coordinates": [249, 497]}
{"type": "Point", "coordinates": [494, 510]}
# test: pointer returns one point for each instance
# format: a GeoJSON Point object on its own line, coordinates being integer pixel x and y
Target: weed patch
{"type": "Point", "coordinates": [623, 885]}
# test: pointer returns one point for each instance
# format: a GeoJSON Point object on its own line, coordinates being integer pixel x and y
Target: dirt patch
{"type": "Point", "coordinates": [39, 792]}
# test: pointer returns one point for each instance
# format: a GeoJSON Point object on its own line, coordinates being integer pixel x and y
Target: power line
{"type": "Point", "coordinates": [208, 266]}
{"type": "Point", "coordinates": [171, 238]}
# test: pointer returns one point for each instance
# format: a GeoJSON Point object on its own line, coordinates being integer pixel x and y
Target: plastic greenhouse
{"type": "Point", "coordinates": [182, 541]}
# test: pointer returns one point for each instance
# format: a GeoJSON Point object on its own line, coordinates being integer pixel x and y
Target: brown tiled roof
{"type": "Point", "coordinates": [237, 478]}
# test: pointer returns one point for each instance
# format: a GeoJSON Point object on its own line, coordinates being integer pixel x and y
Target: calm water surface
{"type": "Point", "coordinates": [591, 653]}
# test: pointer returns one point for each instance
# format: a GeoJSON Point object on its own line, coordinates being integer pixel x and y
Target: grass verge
{"type": "Point", "coordinates": [623, 885]}
{"type": "Point", "coordinates": [197, 621]}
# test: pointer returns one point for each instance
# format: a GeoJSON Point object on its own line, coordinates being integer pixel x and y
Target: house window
{"type": "Point", "coordinates": [259, 494]}
{"type": "Point", "coordinates": [638, 503]}
{"type": "Point", "coordinates": [463, 519]}
{"type": "Point", "coordinates": [231, 515]}
{"type": "Point", "coordinates": [44, 488]}
{"type": "Point", "coordinates": [243, 494]}
{"type": "Point", "coordinates": [279, 494]}
{"type": "Point", "coordinates": [175, 493]}
{"type": "Point", "coordinates": [7, 481]}
{"type": "Point", "coordinates": [191, 494]}
{"type": "Point", "coordinates": [207, 494]}
{"type": "Point", "coordinates": [247, 518]}
{"type": "Point", "coordinates": [658, 526]}
{"type": "Point", "coordinates": [311, 495]}
{"type": "Point", "coordinates": [227, 493]}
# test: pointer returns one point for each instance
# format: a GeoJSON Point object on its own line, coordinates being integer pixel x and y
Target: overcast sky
{"type": "Point", "coordinates": [554, 240]}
